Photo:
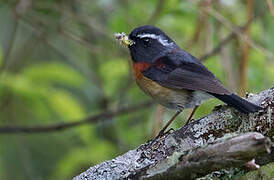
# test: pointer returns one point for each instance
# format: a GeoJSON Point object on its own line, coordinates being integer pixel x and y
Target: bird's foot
{"type": "Point", "coordinates": [163, 133]}
{"type": "Point", "coordinates": [188, 121]}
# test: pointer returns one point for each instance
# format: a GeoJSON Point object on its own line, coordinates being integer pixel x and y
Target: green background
{"type": "Point", "coordinates": [59, 63]}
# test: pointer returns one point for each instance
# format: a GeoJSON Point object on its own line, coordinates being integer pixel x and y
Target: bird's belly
{"type": "Point", "coordinates": [170, 98]}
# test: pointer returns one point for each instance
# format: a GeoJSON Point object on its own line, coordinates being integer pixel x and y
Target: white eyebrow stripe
{"type": "Point", "coordinates": [160, 38]}
{"type": "Point", "coordinates": [153, 36]}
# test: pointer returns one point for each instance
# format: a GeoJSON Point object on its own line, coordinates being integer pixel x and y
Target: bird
{"type": "Point", "coordinates": [173, 77]}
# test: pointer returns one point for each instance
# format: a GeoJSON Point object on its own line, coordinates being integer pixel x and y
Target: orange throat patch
{"type": "Point", "coordinates": [139, 68]}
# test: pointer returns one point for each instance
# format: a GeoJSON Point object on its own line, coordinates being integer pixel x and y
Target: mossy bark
{"type": "Point", "coordinates": [165, 157]}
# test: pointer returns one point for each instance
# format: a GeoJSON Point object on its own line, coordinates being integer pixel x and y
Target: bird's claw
{"type": "Point", "coordinates": [162, 133]}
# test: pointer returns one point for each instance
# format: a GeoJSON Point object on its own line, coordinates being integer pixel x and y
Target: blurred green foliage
{"type": "Point", "coordinates": [59, 63]}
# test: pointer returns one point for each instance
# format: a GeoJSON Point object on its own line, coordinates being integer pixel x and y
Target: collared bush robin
{"type": "Point", "coordinates": [173, 77]}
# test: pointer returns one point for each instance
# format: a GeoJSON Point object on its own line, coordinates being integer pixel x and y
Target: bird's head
{"type": "Point", "coordinates": [147, 43]}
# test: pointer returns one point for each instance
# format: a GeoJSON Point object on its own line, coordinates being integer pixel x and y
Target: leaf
{"type": "Point", "coordinates": [112, 73]}
{"type": "Point", "coordinates": [53, 72]}
{"type": "Point", "coordinates": [65, 105]}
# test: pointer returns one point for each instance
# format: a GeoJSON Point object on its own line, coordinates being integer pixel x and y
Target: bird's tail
{"type": "Point", "coordinates": [237, 102]}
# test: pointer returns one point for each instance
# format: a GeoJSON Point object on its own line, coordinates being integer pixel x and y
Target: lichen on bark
{"type": "Point", "coordinates": [159, 157]}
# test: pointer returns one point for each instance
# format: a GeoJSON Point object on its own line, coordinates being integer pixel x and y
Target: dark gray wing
{"type": "Point", "coordinates": [180, 70]}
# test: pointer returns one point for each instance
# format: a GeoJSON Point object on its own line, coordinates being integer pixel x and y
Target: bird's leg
{"type": "Point", "coordinates": [192, 113]}
{"type": "Point", "coordinates": [162, 132]}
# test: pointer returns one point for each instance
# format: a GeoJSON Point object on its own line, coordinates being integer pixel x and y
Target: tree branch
{"type": "Point", "coordinates": [231, 36]}
{"type": "Point", "coordinates": [239, 33]}
{"type": "Point", "coordinates": [212, 139]}
{"type": "Point", "coordinates": [155, 15]}
{"type": "Point", "coordinates": [62, 126]}
{"type": "Point", "coordinates": [233, 151]}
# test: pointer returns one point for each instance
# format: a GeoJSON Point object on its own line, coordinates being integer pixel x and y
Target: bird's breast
{"type": "Point", "coordinates": [171, 98]}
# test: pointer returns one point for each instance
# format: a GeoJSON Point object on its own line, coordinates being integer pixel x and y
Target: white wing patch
{"type": "Point", "coordinates": [160, 38]}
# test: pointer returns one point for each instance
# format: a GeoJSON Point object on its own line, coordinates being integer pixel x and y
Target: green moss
{"type": "Point", "coordinates": [265, 172]}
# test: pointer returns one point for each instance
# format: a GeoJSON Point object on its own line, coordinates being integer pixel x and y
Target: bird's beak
{"type": "Point", "coordinates": [123, 39]}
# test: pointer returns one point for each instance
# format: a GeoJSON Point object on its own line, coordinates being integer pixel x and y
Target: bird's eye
{"type": "Point", "coordinates": [146, 41]}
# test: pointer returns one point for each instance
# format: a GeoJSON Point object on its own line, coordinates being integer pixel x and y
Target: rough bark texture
{"type": "Point", "coordinates": [216, 141]}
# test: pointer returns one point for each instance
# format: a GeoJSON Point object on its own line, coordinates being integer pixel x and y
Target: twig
{"type": "Point", "coordinates": [239, 33]}
{"type": "Point", "coordinates": [78, 39]}
{"type": "Point", "coordinates": [10, 46]}
{"type": "Point", "coordinates": [158, 120]}
{"type": "Point", "coordinates": [202, 22]}
{"type": "Point", "coordinates": [63, 126]}
{"type": "Point", "coordinates": [19, 9]}
{"type": "Point", "coordinates": [42, 35]}
{"type": "Point", "coordinates": [231, 78]}
{"type": "Point", "coordinates": [218, 47]}
{"type": "Point", "coordinates": [155, 15]}
{"type": "Point", "coordinates": [245, 50]}
{"type": "Point", "coordinates": [231, 36]}
{"type": "Point", "coordinates": [270, 6]}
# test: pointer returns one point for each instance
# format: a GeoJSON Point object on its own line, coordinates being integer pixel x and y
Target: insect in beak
{"type": "Point", "coordinates": [123, 38]}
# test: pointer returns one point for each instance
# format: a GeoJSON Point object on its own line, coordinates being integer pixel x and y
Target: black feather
{"type": "Point", "coordinates": [237, 102]}
{"type": "Point", "coordinates": [183, 71]}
